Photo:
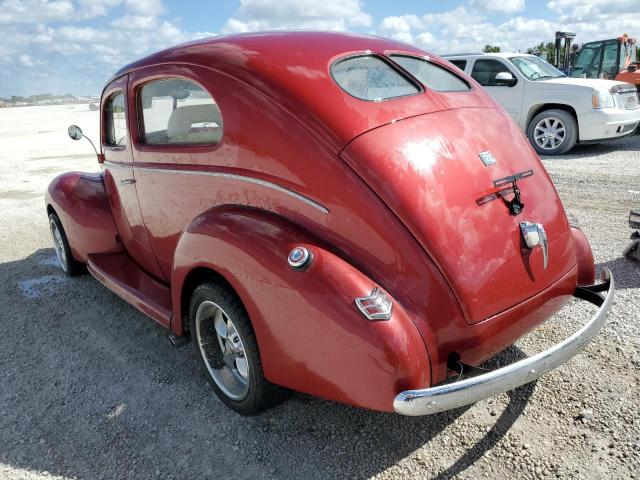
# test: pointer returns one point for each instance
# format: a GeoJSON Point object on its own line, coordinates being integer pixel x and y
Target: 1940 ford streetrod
{"type": "Point", "coordinates": [341, 215]}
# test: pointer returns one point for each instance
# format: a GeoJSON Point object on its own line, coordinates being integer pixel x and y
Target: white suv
{"type": "Point", "coordinates": [553, 110]}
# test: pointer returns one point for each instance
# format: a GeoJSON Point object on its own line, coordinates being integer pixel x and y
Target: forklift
{"type": "Point", "coordinates": [612, 59]}
{"type": "Point", "coordinates": [562, 54]}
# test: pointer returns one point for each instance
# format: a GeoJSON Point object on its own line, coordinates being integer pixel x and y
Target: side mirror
{"type": "Point", "coordinates": [505, 79]}
{"type": "Point", "coordinates": [75, 132]}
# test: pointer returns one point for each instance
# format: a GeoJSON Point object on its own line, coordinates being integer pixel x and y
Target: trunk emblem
{"type": "Point", "coordinates": [534, 235]}
{"type": "Point", "coordinates": [487, 158]}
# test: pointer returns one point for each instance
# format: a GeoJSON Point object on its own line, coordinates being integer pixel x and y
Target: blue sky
{"type": "Point", "coordinates": [61, 46]}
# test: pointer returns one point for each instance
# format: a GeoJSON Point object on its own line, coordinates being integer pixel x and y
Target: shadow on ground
{"type": "Point", "coordinates": [92, 388]}
{"type": "Point", "coordinates": [629, 143]}
{"type": "Point", "coordinates": [626, 272]}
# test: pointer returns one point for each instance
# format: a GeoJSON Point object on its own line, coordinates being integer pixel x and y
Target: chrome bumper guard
{"type": "Point", "coordinates": [464, 392]}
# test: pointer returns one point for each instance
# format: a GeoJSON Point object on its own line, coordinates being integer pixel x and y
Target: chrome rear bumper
{"type": "Point", "coordinates": [464, 392]}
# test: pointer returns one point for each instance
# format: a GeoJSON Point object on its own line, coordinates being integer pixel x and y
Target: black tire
{"type": "Point", "coordinates": [632, 251]}
{"type": "Point", "coordinates": [70, 266]}
{"type": "Point", "coordinates": [547, 121]}
{"type": "Point", "coordinates": [261, 394]}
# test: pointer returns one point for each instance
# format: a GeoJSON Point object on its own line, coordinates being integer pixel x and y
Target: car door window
{"type": "Point", "coordinates": [177, 111]}
{"type": "Point", "coordinates": [485, 71]}
{"type": "Point", "coordinates": [115, 121]}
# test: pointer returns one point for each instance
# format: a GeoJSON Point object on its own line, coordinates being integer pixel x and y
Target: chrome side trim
{"type": "Point", "coordinates": [233, 176]}
{"type": "Point", "coordinates": [465, 392]}
{"type": "Point", "coordinates": [106, 163]}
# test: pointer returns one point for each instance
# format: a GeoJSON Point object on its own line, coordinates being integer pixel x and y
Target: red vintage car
{"type": "Point", "coordinates": [341, 215]}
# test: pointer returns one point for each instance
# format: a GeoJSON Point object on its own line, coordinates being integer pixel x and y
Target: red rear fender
{"type": "Point", "coordinates": [311, 336]}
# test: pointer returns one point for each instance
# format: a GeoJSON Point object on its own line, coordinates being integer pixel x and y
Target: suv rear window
{"type": "Point", "coordinates": [461, 64]}
{"type": "Point", "coordinates": [368, 77]}
{"type": "Point", "coordinates": [431, 75]}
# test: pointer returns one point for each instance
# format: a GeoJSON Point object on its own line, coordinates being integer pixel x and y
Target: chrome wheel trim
{"type": "Point", "coordinates": [58, 244]}
{"type": "Point", "coordinates": [216, 333]}
{"type": "Point", "coordinates": [549, 133]}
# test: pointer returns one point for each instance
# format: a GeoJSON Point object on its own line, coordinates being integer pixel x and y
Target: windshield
{"type": "Point", "coordinates": [535, 68]}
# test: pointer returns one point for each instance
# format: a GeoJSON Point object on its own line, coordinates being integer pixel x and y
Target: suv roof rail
{"type": "Point", "coordinates": [461, 54]}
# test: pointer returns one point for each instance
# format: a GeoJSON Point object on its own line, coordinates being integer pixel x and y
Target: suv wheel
{"type": "Point", "coordinates": [553, 132]}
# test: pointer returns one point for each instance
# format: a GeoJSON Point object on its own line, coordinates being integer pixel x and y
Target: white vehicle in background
{"type": "Point", "coordinates": [554, 111]}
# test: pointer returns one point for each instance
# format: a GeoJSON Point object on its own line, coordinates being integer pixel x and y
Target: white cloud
{"type": "Point", "coordinates": [470, 28]}
{"type": "Point", "coordinates": [501, 6]}
{"type": "Point", "coordinates": [255, 15]}
{"type": "Point", "coordinates": [25, 60]}
{"type": "Point", "coordinates": [26, 11]}
{"type": "Point", "coordinates": [135, 22]}
{"type": "Point", "coordinates": [68, 52]}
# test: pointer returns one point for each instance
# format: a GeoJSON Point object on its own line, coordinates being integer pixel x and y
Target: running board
{"type": "Point", "coordinates": [122, 275]}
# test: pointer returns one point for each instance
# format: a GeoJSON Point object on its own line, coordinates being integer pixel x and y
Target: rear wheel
{"type": "Point", "coordinates": [69, 265]}
{"type": "Point", "coordinates": [553, 132]}
{"type": "Point", "coordinates": [228, 350]}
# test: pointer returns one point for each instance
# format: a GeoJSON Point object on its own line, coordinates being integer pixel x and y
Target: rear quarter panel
{"type": "Point", "coordinates": [311, 336]}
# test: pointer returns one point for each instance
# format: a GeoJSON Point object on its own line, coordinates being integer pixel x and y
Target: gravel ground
{"type": "Point", "coordinates": [90, 388]}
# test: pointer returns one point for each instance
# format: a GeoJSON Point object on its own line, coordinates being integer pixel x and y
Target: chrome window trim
{"type": "Point", "coordinates": [233, 176]}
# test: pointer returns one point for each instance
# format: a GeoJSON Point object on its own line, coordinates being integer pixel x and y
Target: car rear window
{"type": "Point", "coordinates": [431, 75]}
{"type": "Point", "coordinates": [368, 77]}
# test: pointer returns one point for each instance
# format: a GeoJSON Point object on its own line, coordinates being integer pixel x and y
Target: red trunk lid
{"type": "Point", "coordinates": [427, 169]}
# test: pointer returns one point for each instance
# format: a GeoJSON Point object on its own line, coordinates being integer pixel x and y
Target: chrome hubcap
{"type": "Point", "coordinates": [549, 133]}
{"type": "Point", "coordinates": [58, 245]}
{"type": "Point", "coordinates": [222, 350]}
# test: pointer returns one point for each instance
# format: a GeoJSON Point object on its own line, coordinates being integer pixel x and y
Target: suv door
{"type": "Point", "coordinates": [510, 97]}
{"type": "Point", "coordinates": [118, 177]}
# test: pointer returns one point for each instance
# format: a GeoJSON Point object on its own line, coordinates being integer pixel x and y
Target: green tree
{"type": "Point", "coordinates": [491, 49]}
{"type": "Point", "coordinates": [543, 50]}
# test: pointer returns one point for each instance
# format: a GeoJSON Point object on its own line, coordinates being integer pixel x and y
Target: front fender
{"type": "Point", "coordinates": [81, 202]}
{"type": "Point", "coordinates": [310, 334]}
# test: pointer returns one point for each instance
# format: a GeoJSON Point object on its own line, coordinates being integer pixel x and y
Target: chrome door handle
{"type": "Point", "coordinates": [127, 181]}
{"type": "Point", "coordinates": [534, 234]}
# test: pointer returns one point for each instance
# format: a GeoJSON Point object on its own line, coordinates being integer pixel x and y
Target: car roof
{"type": "Point", "coordinates": [450, 56]}
{"type": "Point", "coordinates": [292, 68]}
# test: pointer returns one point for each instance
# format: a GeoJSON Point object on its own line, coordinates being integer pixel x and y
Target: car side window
{"type": "Point", "coordinates": [115, 121]}
{"type": "Point", "coordinates": [178, 112]}
{"type": "Point", "coordinates": [485, 70]}
{"type": "Point", "coordinates": [461, 64]}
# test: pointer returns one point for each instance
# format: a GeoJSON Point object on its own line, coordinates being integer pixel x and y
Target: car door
{"type": "Point", "coordinates": [509, 96]}
{"type": "Point", "coordinates": [119, 178]}
{"type": "Point", "coordinates": [177, 134]}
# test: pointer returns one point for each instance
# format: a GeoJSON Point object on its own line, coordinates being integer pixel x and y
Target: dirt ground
{"type": "Point", "coordinates": [90, 388]}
